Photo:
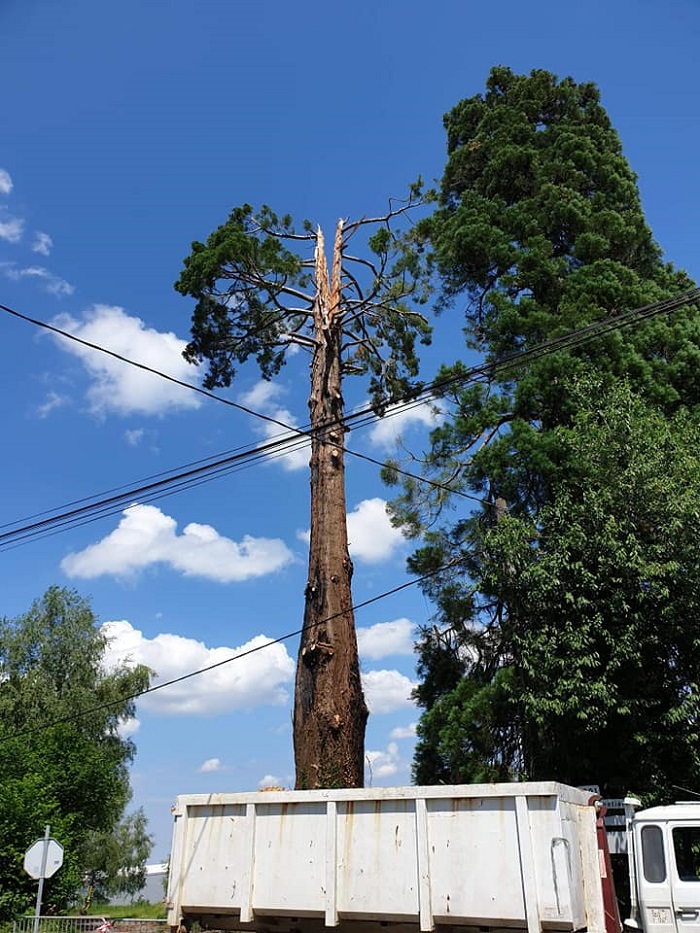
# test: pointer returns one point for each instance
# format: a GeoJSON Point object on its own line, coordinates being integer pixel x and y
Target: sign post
{"type": "Point", "coordinates": [42, 860]}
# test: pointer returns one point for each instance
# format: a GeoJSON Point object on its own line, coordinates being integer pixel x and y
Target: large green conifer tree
{"type": "Point", "coordinates": [538, 232]}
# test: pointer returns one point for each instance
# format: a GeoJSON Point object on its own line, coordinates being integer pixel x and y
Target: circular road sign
{"type": "Point", "coordinates": [33, 858]}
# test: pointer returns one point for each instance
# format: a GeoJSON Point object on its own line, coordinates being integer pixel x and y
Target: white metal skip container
{"type": "Point", "coordinates": [485, 856]}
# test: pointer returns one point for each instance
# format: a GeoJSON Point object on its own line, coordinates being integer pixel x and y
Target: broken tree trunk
{"type": "Point", "coordinates": [330, 714]}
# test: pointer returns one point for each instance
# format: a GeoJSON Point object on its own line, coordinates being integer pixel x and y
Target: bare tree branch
{"type": "Point", "coordinates": [302, 339]}
{"type": "Point", "coordinates": [379, 277]}
{"type": "Point", "coordinates": [366, 339]}
{"type": "Point", "coordinates": [293, 293]}
{"type": "Point", "coordinates": [256, 226]}
{"type": "Point", "coordinates": [382, 306]}
{"type": "Point", "coordinates": [364, 262]}
{"type": "Point", "coordinates": [356, 285]}
{"type": "Point", "coordinates": [376, 221]}
{"type": "Point", "coordinates": [306, 311]}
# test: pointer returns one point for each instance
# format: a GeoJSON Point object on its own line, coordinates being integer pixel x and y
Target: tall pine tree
{"type": "Point", "coordinates": [261, 291]}
{"type": "Point", "coordinates": [539, 231]}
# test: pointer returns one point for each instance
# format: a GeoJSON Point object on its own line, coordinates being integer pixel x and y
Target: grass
{"type": "Point", "coordinates": [140, 909]}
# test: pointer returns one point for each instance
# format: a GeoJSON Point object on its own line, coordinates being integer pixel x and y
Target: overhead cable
{"type": "Point", "coordinates": [75, 514]}
{"type": "Point", "coordinates": [83, 713]}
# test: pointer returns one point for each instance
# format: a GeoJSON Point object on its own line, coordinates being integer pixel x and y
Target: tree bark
{"type": "Point", "coordinates": [330, 714]}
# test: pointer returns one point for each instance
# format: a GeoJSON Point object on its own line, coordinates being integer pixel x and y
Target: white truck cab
{"type": "Point", "coordinates": [664, 860]}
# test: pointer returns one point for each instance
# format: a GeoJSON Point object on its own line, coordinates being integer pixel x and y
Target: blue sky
{"type": "Point", "coordinates": [131, 129]}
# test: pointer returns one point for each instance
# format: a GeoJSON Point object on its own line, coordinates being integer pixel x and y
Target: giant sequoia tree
{"type": "Point", "coordinates": [257, 297]}
{"type": "Point", "coordinates": [533, 668]}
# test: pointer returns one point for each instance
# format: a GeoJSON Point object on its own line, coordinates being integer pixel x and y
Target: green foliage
{"type": "Point", "coordinates": [554, 609]}
{"type": "Point", "coordinates": [608, 586]}
{"type": "Point", "coordinates": [238, 277]}
{"type": "Point", "coordinates": [572, 651]}
{"type": "Point", "coordinates": [541, 228]}
{"type": "Point", "coordinates": [256, 296]}
{"type": "Point", "coordinates": [117, 858]}
{"type": "Point", "coordinates": [143, 910]}
{"type": "Point", "coordinates": [64, 762]}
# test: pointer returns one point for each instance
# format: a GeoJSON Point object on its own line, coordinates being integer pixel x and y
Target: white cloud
{"type": "Point", "coordinates": [128, 727]}
{"type": "Point", "coordinates": [210, 765]}
{"type": "Point", "coordinates": [389, 430]}
{"type": "Point", "coordinates": [117, 386]}
{"type": "Point", "coordinates": [5, 181]}
{"type": "Point", "coordinates": [404, 732]}
{"type": "Point", "coordinates": [270, 780]}
{"type": "Point", "coordinates": [259, 678]}
{"type": "Point", "coordinates": [262, 395]}
{"type": "Point", "coordinates": [53, 401]}
{"type": "Point", "coordinates": [295, 452]}
{"type": "Point", "coordinates": [386, 764]}
{"type": "Point", "coordinates": [387, 691]}
{"type": "Point", "coordinates": [262, 398]}
{"type": "Point", "coordinates": [371, 536]}
{"type": "Point", "coordinates": [134, 437]}
{"type": "Point", "coordinates": [43, 244]}
{"type": "Point", "coordinates": [53, 284]}
{"type": "Point", "coordinates": [11, 229]}
{"type": "Point", "coordinates": [385, 638]}
{"type": "Point", "coordinates": [146, 536]}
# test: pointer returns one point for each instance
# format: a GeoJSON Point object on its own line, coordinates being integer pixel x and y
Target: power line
{"type": "Point", "coordinates": [283, 444]}
{"type": "Point", "coordinates": [116, 502]}
{"type": "Point", "coordinates": [72, 717]}
{"type": "Point", "coordinates": [149, 369]}
{"type": "Point", "coordinates": [486, 370]}
{"type": "Point", "coordinates": [77, 514]}
{"type": "Point", "coordinates": [568, 341]}
{"type": "Point", "coordinates": [306, 431]}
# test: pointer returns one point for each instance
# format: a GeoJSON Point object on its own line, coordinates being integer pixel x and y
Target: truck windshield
{"type": "Point", "coordinates": [686, 848]}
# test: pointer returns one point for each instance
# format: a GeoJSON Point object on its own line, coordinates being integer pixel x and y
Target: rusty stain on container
{"type": "Point", "coordinates": [348, 830]}
{"type": "Point", "coordinates": [283, 812]}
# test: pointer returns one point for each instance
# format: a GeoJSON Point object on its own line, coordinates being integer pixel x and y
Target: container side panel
{"type": "Point", "coordinates": [377, 859]}
{"type": "Point", "coordinates": [290, 859]}
{"type": "Point", "coordinates": [572, 828]}
{"type": "Point", "coordinates": [475, 871]}
{"type": "Point", "coordinates": [214, 855]}
{"type": "Point", "coordinates": [258, 862]}
{"type": "Point", "coordinates": [590, 869]}
{"type": "Point", "coordinates": [173, 899]}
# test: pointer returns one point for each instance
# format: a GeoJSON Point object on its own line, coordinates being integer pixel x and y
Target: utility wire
{"type": "Point", "coordinates": [430, 390]}
{"type": "Point", "coordinates": [111, 504]}
{"type": "Point", "coordinates": [515, 359]}
{"type": "Point", "coordinates": [82, 514]}
{"type": "Point", "coordinates": [149, 369]}
{"type": "Point", "coordinates": [81, 714]}
{"type": "Point", "coordinates": [283, 444]}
